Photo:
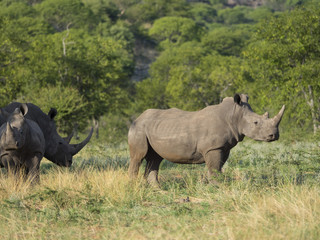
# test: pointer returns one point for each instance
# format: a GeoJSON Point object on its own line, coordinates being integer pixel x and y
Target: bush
{"type": "Point", "coordinates": [71, 107]}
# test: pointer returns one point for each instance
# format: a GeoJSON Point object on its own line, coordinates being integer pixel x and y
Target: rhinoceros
{"type": "Point", "coordinates": [204, 136]}
{"type": "Point", "coordinates": [22, 144]}
{"type": "Point", "coordinates": [57, 149]}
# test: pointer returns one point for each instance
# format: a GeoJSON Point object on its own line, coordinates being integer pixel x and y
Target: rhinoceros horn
{"type": "Point", "coordinates": [276, 119]}
{"type": "Point", "coordinates": [9, 130]}
{"type": "Point", "coordinates": [266, 115]}
{"type": "Point", "coordinates": [75, 148]}
{"type": "Point", "coordinates": [11, 143]}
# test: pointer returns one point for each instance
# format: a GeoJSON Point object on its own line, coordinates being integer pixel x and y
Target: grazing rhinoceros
{"type": "Point", "coordinates": [57, 149]}
{"type": "Point", "coordinates": [204, 136]}
{"type": "Point", "coordinates": [22, 144]}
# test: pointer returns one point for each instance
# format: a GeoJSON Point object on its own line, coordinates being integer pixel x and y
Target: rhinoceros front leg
{"type": "Point", "coordinates": [11, 166]}
{"type": "Point", "coordinates": [33, 168]}
{"type": "Point", "coordinates": [215, 159]}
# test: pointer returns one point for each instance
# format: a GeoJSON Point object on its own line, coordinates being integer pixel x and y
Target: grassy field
{"type": "Point", "coordinates": [269, 191]}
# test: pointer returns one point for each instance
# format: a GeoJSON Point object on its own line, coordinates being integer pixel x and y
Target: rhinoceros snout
{"type": "Point", "coordinates": [69, 163]}
{"type": "Point", "coordinates": [273, 137]}
{"type": "Point", "coordinates": [66, 163]}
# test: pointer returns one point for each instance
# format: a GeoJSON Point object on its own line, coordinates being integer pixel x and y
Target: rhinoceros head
{"type": "Point", "coordinates": [58, 149]}
{"type": "Point", "coordinates": [16, 128]}
{"type": "Point", "coordinates": [257, 127]}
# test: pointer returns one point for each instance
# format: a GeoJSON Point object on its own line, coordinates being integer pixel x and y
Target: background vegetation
{"type": "Point", "coordinates": [109, 60]}
{"type": "Point", "coordinates": [103, 62]}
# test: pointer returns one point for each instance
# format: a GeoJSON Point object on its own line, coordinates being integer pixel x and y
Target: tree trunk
{"type": "Point", "coordinates": [310, 101]}
{"type": "Point", "coordinates": [96, 126]}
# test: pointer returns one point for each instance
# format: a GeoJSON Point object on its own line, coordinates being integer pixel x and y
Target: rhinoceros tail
{"type": "Point", "coordinates": [138, 147]}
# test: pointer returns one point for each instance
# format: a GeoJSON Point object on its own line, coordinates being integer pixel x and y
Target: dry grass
{"type": "Point", "coordinates": [96, 200]}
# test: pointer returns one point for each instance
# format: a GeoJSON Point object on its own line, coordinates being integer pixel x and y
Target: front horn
{"type": "Point", "coordinates": [278, 117]}
{"type": "Point", "coordinates": [75, 148]}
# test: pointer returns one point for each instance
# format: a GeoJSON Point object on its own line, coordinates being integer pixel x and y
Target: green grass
{"type": "Point", "coordinates": [269, 191]}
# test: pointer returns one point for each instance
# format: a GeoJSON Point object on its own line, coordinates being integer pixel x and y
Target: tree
{"type": "Point", "coordinates": [226, 41]}
{"type": "Point", "coordinates": [103, 10]}
{"type": "Point", "coordinates": [15, 38]}
{"type": "Point", "coordinates": [206, 83]}
{"type": "Point", "coordinates": [284, 61]}
{"type": "Point", "coordinates": [62, 13]}
{"type": "Point", "coordinates": [15, 10]}
{"type": "Point", "coordinates": [120, 31]}
{"type": "Point", "coordinates": [71, 106]}
{"type": "Point", "coordinates": [260, 13]}
{"type": "Point", "coordinates": [234, 15]}
{"type": "Point", "coordinates": [170, 31]}
{"type": "Point", "coordinates": [98, 67]}
{"type": "Point", "coordinates": [150, 93]}
{"type": "Point", "coordinates": [190, 78]}
{"type": "Point", "coordinates": [203, 13]}
{"type": "Point", "coordinates": [147, 11]}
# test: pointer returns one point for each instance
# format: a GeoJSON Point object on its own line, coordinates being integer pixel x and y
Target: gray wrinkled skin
{"type": "Point", "coordinates": [22, 145]}
{"type": "Point", "coordinates": [57, 149]}
{"type": "Point", "coordinates": [204, 136]}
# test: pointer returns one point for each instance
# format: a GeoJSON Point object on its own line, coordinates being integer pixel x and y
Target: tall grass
{"type": "Point", "coordinates": [269, 191]}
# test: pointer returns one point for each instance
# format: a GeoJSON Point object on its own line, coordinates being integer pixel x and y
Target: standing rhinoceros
{"type": "Point", "coordinates": [22, 144]}
{"type": "Point", "coordinates": [57, 149]}
{"type": "Point", "coordinates": [204, 136]}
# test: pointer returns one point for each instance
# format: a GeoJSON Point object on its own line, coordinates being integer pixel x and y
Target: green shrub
{"type": "Point", "coordinates": [71, 107]}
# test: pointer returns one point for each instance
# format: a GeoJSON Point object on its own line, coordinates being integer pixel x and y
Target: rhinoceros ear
{"type": "Point", "coordinates": [244, 98]}
{"type": "Point", "coordinates": [23, 109]}
{"type": "Point", "coordinates": [237, 98]}
{"type": "Point", "coordinates": [52, 113]}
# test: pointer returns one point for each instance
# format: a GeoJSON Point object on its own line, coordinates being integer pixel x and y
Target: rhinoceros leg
{"type": "Point", "coordinates": [11, 166]}
{"type": "Point", "coordinates": [215, 160]}
{"type": "Point", "coordinates": [225, 156]}
{"type": "Point", "coordinates": [152, 167]}
{"type": "Point", "coordinates": [138, 147]}
{"type": "Point", "coordinates": [33, 168]}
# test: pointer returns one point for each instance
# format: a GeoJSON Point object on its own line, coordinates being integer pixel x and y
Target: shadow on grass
{"type": "Point", "coordinates": [101, 164]}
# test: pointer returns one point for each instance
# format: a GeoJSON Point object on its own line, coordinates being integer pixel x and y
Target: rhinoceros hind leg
{"type": "Point", "coordinates": [138, 147]}
{"type": "Point", "coordinates": [152, 167]}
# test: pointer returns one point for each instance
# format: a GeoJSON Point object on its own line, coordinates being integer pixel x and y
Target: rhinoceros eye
{"type": "Point", "coordinates": [255, 122]}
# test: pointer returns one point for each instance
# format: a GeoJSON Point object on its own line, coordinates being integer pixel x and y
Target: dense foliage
{"type": "Point", "coordinates": [80, 56]}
